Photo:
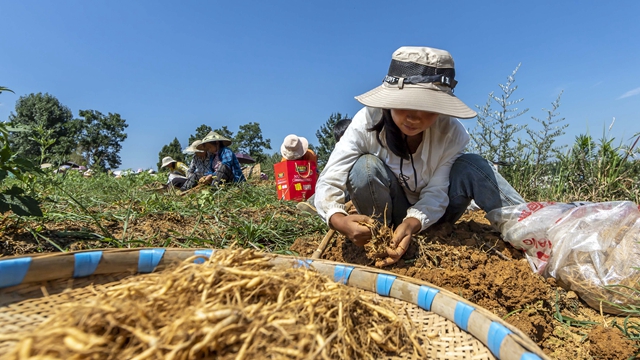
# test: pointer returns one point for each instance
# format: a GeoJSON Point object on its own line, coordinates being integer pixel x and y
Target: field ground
{"type": "Point", "coordinates": [468, 258]}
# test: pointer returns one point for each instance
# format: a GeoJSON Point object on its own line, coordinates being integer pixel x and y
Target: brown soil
{"type": "Point", "coordinates": [609, 343]}
{"type": "Point", "coordinates": [471, 260]}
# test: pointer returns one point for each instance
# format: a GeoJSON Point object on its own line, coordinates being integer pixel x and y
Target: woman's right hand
{"type": "Point", "coordinates": [351, 227]}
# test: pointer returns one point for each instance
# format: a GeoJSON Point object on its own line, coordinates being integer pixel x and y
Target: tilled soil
{"type": "Point", "coordinates": [471, 260]}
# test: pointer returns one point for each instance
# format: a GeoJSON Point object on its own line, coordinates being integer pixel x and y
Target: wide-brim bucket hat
{"type": "Point", "coordinates": [193, 148]}
{"type": "Point", "coordinates": [167, 160]}
{"type": "Point", "coordinates": [294, 147]}
{"type": "Point", "coordinates": [213, 136]}
{"type": "Point", "coordinates": [419, 78]}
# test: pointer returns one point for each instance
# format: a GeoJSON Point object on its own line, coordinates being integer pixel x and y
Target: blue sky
{"type": "Point", "coordinates": [168, 66]}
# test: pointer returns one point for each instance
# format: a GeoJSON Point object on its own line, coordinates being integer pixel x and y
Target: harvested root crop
{"type": "Point", "coordinates": [381, 236]}
{"type": "Point", "coordinates": [235, 305]}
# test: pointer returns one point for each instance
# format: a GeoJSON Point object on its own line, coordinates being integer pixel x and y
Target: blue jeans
{"type": "Point", "coordinates": [376, 191]}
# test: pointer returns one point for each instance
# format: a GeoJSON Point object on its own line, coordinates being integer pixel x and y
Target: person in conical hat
{"type": "Point", "coordinates": [224, 166]}
{"type": "Point", "coordinates": [198, 166]}
{"type": "Point", "coordinates": [402, 159]}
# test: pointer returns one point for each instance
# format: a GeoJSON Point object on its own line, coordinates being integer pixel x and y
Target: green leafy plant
{"type": "Point", "coordinates": [12, 196]}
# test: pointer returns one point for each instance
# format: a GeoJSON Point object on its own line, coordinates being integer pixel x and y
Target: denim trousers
{"type": "Point", "coordinates": [376, 191]}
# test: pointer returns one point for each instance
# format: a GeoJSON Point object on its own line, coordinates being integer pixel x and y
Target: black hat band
{"type": "Point", "coordinates": [412, 73]}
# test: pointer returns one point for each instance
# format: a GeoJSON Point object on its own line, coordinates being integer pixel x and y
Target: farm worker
{"type": "Point", "coordinates": [177, 171]}
{"type": "Point", "coordinates": [223, 164]}
{"type": "Point", "coordinates": [197, 167]}
{"type": "Point", "coordinates": [402, 158]}
{"type": "Point", "coordinates": [297, 148]}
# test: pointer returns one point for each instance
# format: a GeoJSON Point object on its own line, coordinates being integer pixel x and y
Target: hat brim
{"type": "Point", "coordinates": [416, 98]}
{"type": "Point", "coordinates": [225, 142]}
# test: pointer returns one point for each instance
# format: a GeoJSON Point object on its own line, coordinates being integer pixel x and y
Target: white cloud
{"type": "Point", "coordinates": [629, 93]}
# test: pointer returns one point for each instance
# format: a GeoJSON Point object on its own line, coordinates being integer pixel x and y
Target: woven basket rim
{"type": "Point", "coordinates": [503, 339]}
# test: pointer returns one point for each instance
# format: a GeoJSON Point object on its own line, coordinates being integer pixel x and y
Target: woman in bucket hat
{"type": "Point", "coordinates": [402, 157]}
{"type": "Point", "coordinates": [177, 171]}
{"type": "Point", "coordinates": [223, 164]}
{"type": "Point", "coordinates": [297, 148]}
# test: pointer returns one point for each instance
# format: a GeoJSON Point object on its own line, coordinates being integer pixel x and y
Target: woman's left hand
{"type": "Point", "coordinates": [400, 241]}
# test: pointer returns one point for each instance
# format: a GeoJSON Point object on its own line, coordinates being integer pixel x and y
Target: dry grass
{"type": "Point", "coordinates": [235, 305]}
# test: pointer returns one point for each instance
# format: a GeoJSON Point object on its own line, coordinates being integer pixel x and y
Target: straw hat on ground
{"type": "Point", "coordinates": [213, 136]}
{"type": "Point", "coordinates": [419, 78]}
{"type": "Point", "coordinates": [193, 148]}
{"type": "Point", "coordinates": [294, 147]}
{"type": "Point", "coordinates": [167, 160]}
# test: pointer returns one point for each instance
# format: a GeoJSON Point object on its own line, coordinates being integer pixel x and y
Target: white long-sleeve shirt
{"type": "Point", "coordinates": [441, 145]}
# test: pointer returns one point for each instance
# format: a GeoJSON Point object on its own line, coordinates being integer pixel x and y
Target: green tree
{"type": "Point", "coordinates": [201, 131]}
{"type": "Point", "coordinates": [326, 139]}
{"type": "Point", "coordinates": [52, 131]}
{"type": "Point", "coordinates": [101, 137]}
{"type": "Point", "coordinates": [173, 149]}
{"type": "Point", "coordinates": [249, 140]}
{"type": "Point", "coordinates": [495, 134]}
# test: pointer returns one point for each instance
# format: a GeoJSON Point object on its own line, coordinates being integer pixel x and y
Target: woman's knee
{"type": "Point", "coordinates": [366, 168]}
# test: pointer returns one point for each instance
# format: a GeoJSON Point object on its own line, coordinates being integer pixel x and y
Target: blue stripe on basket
{"type": "Point", "coordinates": [497, 333]}
{"type": "Point", "coordinates": [530, 356]}
{"type": "Point", "coordinates": [303, 263]}
{"type": "Point", "coordinates": [383, 284]}
{"type": "Point", "coordinates": [341, 273]}
{"type": "Point", "coordinates": [13, 271]}
{"type": "Point", "coordinates": [149, 259]}
{"type": "Point", "coordinates": [86, 263]}
{"type": "Point", "coordinates": [461, 315]}
{"type": "Point", "coordinates": [206, 253]}
{"type": "Point", "coordinates": [425, 297]}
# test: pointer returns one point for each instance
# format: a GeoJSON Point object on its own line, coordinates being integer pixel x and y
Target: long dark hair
{"type": "Point", "coordinates": [396, 140]}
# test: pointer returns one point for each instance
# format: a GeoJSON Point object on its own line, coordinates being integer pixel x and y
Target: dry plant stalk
{"type": "Point", "coordinates": [380, 242]}
{"type": "Point", "coordinates": [588, 272]}
{"type": "Point", "coordinates": [381, 236]}
{"type": "Point", "coordinates": [234, 306]}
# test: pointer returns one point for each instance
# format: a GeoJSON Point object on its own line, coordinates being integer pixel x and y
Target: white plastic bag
{"type": "Point", "coordinates": [525, 227]}
{"type": "Point", "coordinates": [591, 248]}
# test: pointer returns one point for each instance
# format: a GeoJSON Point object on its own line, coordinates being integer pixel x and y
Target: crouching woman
{"type": "Point", "coordinates": [402, 158]}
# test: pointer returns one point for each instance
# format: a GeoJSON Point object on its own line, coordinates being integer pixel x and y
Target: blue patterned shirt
{"type": "Point", "coordinates": [227, 157]}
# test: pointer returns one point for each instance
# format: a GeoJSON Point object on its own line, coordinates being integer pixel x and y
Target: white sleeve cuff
{"type": "Point", "coordinates": [339, 208]}
{"type": "Point", "coordinates": [417, 214]}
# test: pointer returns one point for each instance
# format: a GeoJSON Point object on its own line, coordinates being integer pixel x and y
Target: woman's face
{"type": "Point", "coordinates": [211, 147]}
{"type": "Point", "coordinates": [413, 122]}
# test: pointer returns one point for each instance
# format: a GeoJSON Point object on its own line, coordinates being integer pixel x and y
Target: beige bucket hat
{"type": "Point", "coordinates": [419, 78]}
{"type": "Point", "coordinates": [214, 136]}
{"type": "Point", "coordinates": [167, 160]}
{"type": "Point", "coordinates": [294, 147]}
{"type": "Point", "coordinates": [193, 148]}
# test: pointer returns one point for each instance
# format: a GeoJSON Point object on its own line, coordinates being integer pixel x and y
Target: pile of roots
{"type": "Point", "coordinates": [234, 305]}
{"type": "Point", "coordinates": [377, 248]}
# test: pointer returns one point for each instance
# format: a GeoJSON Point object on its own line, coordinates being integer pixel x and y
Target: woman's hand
{"type": "Point", "coordinates": [206, 180]}
{"type": "Point", "coordinates": [351, 227]}
{"type": "Point", "coordinates": [400, 241]}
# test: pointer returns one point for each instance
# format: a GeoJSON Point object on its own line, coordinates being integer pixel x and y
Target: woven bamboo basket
{"type": "Point", "coordinates": [32, 286]}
